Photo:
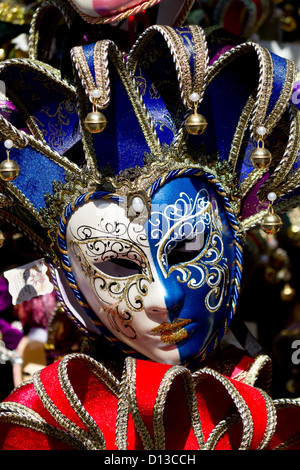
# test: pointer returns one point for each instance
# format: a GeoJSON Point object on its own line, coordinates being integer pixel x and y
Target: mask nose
{"type": "Point", "coordinates": [174, 298]}
{"type": "Point", "coordinates": [165, 297]}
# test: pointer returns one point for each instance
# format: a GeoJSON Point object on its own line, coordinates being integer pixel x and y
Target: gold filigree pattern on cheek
{"type": "Point", "coordinates": [200, 220]}
{"type": "Point", "coordinates": [120, 296]}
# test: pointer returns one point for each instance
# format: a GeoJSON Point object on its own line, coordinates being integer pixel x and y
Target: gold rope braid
{"type": "Point", "coordinates": [238, 401]}
{"type": "Point", "coordinates": [130, 365]}
{"type": "Point", "coordinates": [105, 50]}
{"type": "Point", "coordinates": [37, 18]}
{"type": "Point", "coordinates": [264, 89]}
{"type": "Point", "coordinates": [158, 410]}
{"type": "Point", "coordinates": [20, 415]}
{"type": "Point", "coordinates": [80, 434]}
{"type": "Point", "coordinates": [279, 180]}
{"type": "Point", "coordinates": [284, 97]}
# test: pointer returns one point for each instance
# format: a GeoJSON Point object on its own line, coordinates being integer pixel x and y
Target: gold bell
{"type": "Point", "coordinates": [95, 122]}
{"type": "Point", "coordinates": [9, 169]}
{"type": "Point", "coordinates": [271, 223]}
{"type": "Point", "coordinates": [260, 156]}
{"type": "Point", "coordinates": [287, 293]}
{"type": "Point", "coordinates": [195, 124]}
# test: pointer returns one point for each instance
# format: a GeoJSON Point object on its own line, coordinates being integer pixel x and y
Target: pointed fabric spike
{"type": "Point", "coordinates": [48, 107]}
{"type": "Point", "coordinates": [31, 182]}
{"type": "Point", "coordinates": [169, 65]}
{"type": "Point", "coordinates": [269, 108]}
{"type": "Point", "coordinates": [128, 133]}
{"type": "Point", "coordinates": [241, 85]}
{"type": "Point", "coordinates": [39, 167]}
{"type": "Point", "coordinates": [46, 22]}
{"type": "Point", "coordinates": [285, 180]}
{"type": "Point", "coordinates": [27, 192]}
{"type": "Point", "coordinates": [284, 156]}
{"type": "Point", "coordinates": [227, 102]}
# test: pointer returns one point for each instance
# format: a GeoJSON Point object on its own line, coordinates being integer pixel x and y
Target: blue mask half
{"type": "Point", "coordinates": [192, 246]}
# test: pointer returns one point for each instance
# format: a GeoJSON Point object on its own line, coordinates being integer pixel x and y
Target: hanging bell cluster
{"type": "Point", "coordinates": [9, 169]}
{"type": "Point", "coordinates": [95, 121]}
{"type": "Point", "coordinates": [195, 123]}
{"type": "Point", "coordinates": [271, 223]}
{"type": "Point", "coordinates": [261, 157]}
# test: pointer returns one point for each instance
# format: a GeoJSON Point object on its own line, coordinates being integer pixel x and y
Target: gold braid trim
{"type": "Point", "coordinates": [264, 89]}
{"type": "Point", "coordinates": [284, 97]}
{"type": "Point", "coordinates": [130, 365]}
{"type": "Point", "coordinates": [265, 83]}
{"type": "Point", "coordinates": [287, 403]}
{"type": "Point", "coordinates": [158, 410]}
{"type": "Point", "coordinates": [240, 131]}
{"type": "Point", "coordinates": [238, 401]}
{"type": "Point", "coordinates": [187, 82]}
{"type": "Point", "coordinates": [220, 429]}
{"type": "Point", "coordinates": [15, 413]}
{"type": "Point", "coordinates": [262, 366]}
{"type": "Point", "coordinates": [105, 50]}
{"type": "Point", "coordinates": [271, 420]}
{"type": "Point", "coordinates": [253, 220]}
{"type": "Point", "coordinates": [38, 16]}
{"type": "Point", "coordinates": [182, 14]}
{"type": "Point", "coordinates": [92, 438]}
{"type": "Point", "coordinates": [286, 163]}
{"type": "Point", "coordinates": [80, 434]}
{"type": "Point", "coordinates": [123, 413]}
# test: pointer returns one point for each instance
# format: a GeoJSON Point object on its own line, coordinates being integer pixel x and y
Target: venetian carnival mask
{"type": "Point", "coordinates": [161, 286]}
{"type": "Point", "coordinates": [142, 223]}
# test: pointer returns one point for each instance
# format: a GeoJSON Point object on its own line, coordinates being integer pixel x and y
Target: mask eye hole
{"type": "Point", "coordinates": [119, 267]}
{"type": "Point", "coordinates": [186, 250]}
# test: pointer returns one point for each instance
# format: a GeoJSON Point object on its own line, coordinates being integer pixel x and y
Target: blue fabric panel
{"type": "Point", "coordinates": [279, 65]}
{"type": "Point", "coordinates": [54, 113]}
{"type": "Point", "coordinates": [159, 88]}
{"type": "Point", "coordinates": [36, 174]}
{"type": "Point", "coordinates": [222, 105]}
{"type": "Point", "coordinates": [122, 143]}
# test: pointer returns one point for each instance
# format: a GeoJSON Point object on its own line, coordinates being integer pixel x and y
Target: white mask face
{"type": "Point", "coordinates": [113, 266]}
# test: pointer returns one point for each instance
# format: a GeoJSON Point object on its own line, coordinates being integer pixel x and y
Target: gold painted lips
{"type": "Point", "coordinates": [172, 333]}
